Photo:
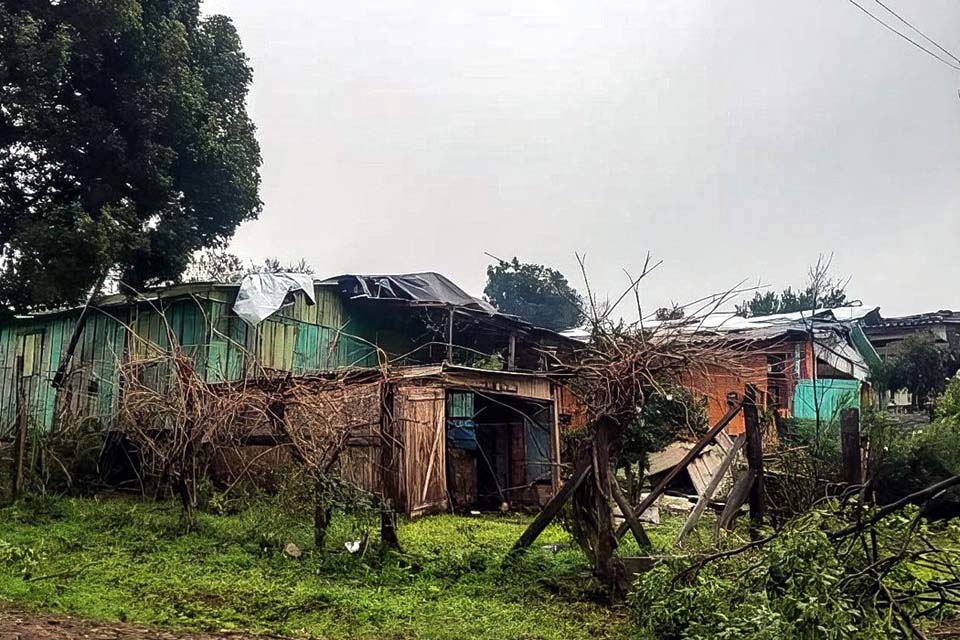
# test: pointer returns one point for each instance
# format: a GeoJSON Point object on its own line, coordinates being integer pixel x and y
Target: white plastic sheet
{"type": "Point", "coordinates": [261, 294]}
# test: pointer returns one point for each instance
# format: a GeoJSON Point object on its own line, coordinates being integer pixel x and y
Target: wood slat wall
{"type": "Point", "coordinates": [421, 410]}
{"type": "Point", "coordinates": [298, 338]}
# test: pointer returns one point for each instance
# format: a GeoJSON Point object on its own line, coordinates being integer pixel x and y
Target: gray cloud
{"type": "Point", "coordinates": [732, 139]}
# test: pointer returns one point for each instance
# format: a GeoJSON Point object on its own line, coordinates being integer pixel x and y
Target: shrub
{"type": "Point", "coordinates": [913, 460]}
{"type": "Point", "coordinates": [948, 405]}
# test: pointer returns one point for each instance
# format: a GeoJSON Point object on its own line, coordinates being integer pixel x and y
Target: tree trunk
{"type": "Point", "coordinates": [592, 513]}
{"type": "Point", "coordinates": [186, 501]}
{"type": "Point", "coordinates": [388, 527]}
{"type": "Point", "coordinates": [630, 483]}
{"type": "Point", "coordinates": [322, 514]}
{"type": "Point", "coordinates": [606, 564]}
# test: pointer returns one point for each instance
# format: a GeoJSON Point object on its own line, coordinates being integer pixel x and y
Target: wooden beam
{"type": "Point", "coordinates": [754, 450]}
{"type": "Point", "coordinates": [20, 440]}
{"type": "Point", "coordinates": [711, 489]}
{"type": "Point", "coordinates": [552, 508]}
{"type": "Point", "coordinates": [693, 453]}
{"type": "Point", "coordinates": [850, 446]}
{"type": "Point", "coordinates": [512, 352]}
{"type": "Point", "coordinates": [629, 516]}
{"type": "Point", "coordinates": [450, 335]}
{"type": "Point", "coordinates": [738, 495]}
{"type": "Point", "coordinates": [555, 437]}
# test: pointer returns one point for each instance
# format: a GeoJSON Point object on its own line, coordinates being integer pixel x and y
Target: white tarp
{"type": "Point", "coordinates": [261, 294]}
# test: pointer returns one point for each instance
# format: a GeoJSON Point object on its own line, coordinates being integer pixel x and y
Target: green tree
{"type": "Point", "coordinates": [217, 265]}
{"type": "Point", "coordinates": [828, 295]}
{"type": "Point", "coordinates": [538, 294]}
{"type": "Point", "coordinates": [125, 144]}
{"type": "Point", "coordinates": [919, 366]}
{"type": "Point", "coordinates": [675, 312]}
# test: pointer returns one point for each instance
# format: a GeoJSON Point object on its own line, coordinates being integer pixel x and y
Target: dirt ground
{"type": "Point", "coordinates": [20, 625]}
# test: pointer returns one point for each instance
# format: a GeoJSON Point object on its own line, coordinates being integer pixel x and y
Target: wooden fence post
{"type": "Point", "coordinates": [754, 460]}
{"type": "Point", "coordinates": [450, 335]}
{"type": "Point", "coordinates": [20, 440]}
{"type": "Point", "coordinates": [850, 446]}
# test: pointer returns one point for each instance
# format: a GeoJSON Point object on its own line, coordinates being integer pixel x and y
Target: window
{"type": "Point", "coordinates": [31, 350]}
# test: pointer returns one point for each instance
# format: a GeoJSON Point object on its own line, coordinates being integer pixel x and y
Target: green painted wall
{"type": "Point", "coordinates": [298, 338]}
{"type": "Point", "coordinates": [831, 395]}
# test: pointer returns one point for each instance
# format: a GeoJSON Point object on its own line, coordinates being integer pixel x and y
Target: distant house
{"type": "Point", "coordinates": [471, 403]}
{"type": "Point", "coordinates": [800, 365]}
{"type": "Point", "coordinates": [941, 328]}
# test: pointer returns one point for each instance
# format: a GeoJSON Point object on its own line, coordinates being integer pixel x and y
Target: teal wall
{"type": "Point", "coordinates": [831, 395]}
{"type": "Point", "coordinates": [299, 338]}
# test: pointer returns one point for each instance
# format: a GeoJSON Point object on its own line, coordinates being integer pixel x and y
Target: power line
{"type": "Point", "coordinates": [916, 30]}
{"type": "Point", "coordinates": [904, 36]}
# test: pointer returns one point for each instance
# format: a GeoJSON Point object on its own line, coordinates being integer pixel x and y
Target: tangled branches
{"type": "Point", "coordinates": [624, 364]}
{"type": "Point", "coordinates": [844, 567]}
{"type": "Point", "coordinates": [179, 423]}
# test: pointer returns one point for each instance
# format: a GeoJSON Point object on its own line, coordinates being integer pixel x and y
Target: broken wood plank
{"type": "Point", "coordinates": [697, 448]}
{"type": "Point", "coordinates": [629, 515]}
{"type": "Point", "coordinates": [707, 495]}
{"type": "Point", "coordinates": [552, 508]}
{"type": "Point", "coordinates": [736, 499]}
{"type": "Point", "coordinates": [667, 458]}
{"type": "Point", "coordinates": [20, 439]}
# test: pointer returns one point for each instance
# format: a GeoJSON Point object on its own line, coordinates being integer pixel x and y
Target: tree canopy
{"type": "Point", "coordinates": [829, 295]}
{"type": "Point", "coordinates": [125, 144]}
{"type": "Point", "coordinates": [217, 265]}
{"type": "Point", "coordinates": [918, 366]}
{"type": "Point", "coordinates": [538, 294]}
{"type": "Point", "coordinates": [675, 312]}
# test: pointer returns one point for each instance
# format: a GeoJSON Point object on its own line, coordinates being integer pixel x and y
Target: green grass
{"type": "Point", "coordinates": [126, 560]}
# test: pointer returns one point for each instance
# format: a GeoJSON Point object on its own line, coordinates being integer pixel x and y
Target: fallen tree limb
{"type": "Point", "coordinates": [886, 510]}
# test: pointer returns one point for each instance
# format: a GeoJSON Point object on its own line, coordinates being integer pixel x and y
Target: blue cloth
{"type": "Point", "coordinates": [462, 434]}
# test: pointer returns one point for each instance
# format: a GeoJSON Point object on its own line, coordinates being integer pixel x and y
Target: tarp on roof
{"type": "Point", "coordinates": [427, 287]}
{"type": "Point", "coordinates": [261, 294]}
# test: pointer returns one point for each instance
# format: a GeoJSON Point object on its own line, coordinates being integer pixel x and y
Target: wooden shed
{"type": "Point", "coordinates": [454, 437]}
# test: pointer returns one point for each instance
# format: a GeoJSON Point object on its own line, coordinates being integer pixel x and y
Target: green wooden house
{"type": "Point", "coordinates": [357, 322]}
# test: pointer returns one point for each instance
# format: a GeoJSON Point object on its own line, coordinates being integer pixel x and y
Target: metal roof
{"type": "Point", "coordinates": [943, 316]}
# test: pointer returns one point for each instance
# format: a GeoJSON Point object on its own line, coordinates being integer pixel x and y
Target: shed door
{"type": "Point", "coordinates": [421, 413]}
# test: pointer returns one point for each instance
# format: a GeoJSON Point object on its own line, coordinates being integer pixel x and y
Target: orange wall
{"type": "Point", "coordinates": [714, 383]}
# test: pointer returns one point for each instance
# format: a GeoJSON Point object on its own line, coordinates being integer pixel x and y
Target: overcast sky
{"type": "Point", "coordinates": [733, 140]}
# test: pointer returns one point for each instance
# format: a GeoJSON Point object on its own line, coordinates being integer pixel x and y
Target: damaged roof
{"type": "Point", "coordinates": [943, 316]}
{"type": "Point", "coordinates": [428, 288]}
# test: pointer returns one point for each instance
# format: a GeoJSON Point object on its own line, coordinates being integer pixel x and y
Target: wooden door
{"type": "Point", "coordinates": [420, 412]}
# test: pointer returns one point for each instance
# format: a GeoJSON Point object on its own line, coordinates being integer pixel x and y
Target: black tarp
{"type": "Point", "coordinates": [426, 287]}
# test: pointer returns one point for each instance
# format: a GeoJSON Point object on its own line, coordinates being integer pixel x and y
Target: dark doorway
{"type": "Point", "coordinates": [499, 450]}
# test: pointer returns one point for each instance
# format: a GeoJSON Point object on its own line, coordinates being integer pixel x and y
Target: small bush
{"type": "Point", "coordinates": [911, 461]}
